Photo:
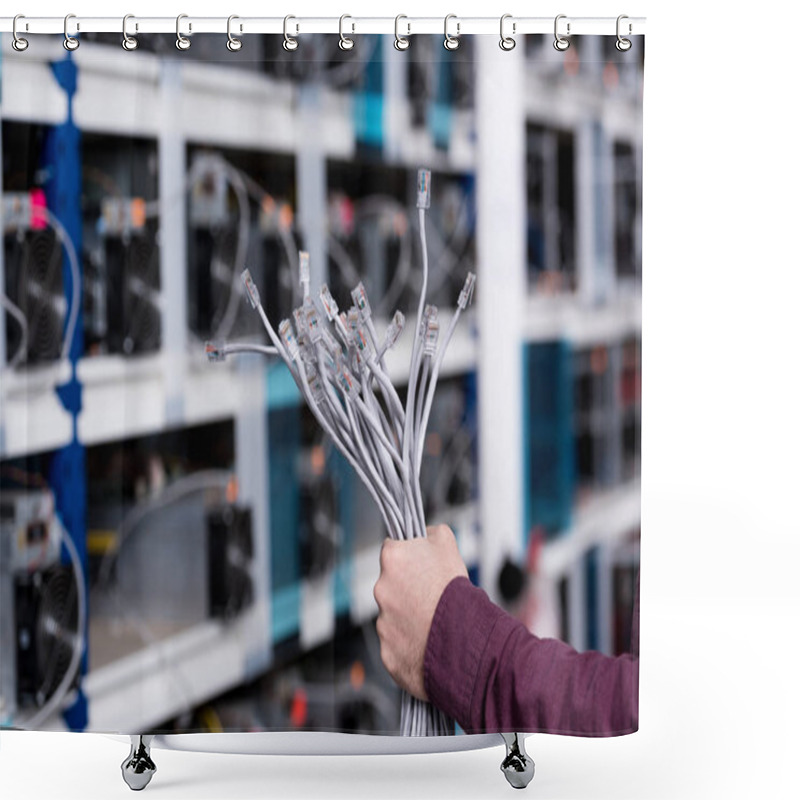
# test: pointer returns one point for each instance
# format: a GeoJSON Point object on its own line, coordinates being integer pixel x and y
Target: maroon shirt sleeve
{"type": "Point", "coordinates": [485, 670]}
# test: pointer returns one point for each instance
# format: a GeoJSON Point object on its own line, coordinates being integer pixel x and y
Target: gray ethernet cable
{"type": "Point", "coordinates": [382, 442]}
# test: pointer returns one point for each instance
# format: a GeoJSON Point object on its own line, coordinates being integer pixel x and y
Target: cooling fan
{"type": "Point", "coordinates": [230, 556]}
{"type": "Point", "coordinates": [34, 265]}
{"type": "Point", "coordinates": [47, 631]}
{"type": "Point", "coordinates": [142, 322]}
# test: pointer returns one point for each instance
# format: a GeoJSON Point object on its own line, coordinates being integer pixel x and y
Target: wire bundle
{"type": "Point", "coordinates": [338, 368]}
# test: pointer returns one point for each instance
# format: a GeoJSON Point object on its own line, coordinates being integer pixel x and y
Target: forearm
{"type": "Point", "coordinates": [487, 671]}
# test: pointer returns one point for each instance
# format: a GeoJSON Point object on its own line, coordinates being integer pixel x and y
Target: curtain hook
{"type": "Point", "coordinates": [506, 42]}
{"type": "Point", "coordinates": [561, 43]}
{"type": "Point", "coordinates": [233, 44]}
{"type": "Point", "coordinates": [401, 42]}
{"type": "Point", "coordinates": [623, 45]}
{"type": "Point", "coordinates": [128, 42]}
{"type": "Point", "coordinates": [288, 42]}
{"type": "Point", "coordinates": [182, 42]}
{"type": "Point", "coordinates": [451, 42]}
{"type": "Point", "coordinates": [70, 42]}
{"type": "Point", "coordinates": [345, 43]}
{"type": "Point", "coordinates": [18, 43]}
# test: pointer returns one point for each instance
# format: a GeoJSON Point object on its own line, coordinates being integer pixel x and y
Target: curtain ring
{"type": "Point", "coordinates": [401, 42]}
{"type": "Point", "coordinates": [623, 45]}
{"type": "Point", "coordinates": [561, 43]}
{"type": "Point", "coordinates": [506, 42]}
{"type": "Point", "coordinates": [233, 44]}
{"type": "Point", "coordinates": [344, 42]}
{"type": "Point", "coordinates": [451, 42]}
{"type": "Point", "coordinates": [288, 42]}
{"type": "Point", "coordinates": [182, 43]}
{"type": "Point", "coordinates": [128, 42]}
{"type": "Point", "coordinates": [18, 43]}
{"type": "Point", "coordinates": [70, 42]}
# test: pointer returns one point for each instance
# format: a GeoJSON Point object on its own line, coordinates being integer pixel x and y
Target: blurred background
{"type": "Point", "coordinates": [227, 551]}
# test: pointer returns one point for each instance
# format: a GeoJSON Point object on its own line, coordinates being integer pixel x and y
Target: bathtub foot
{"type": "Point", "coordinates": [517, 766]}
{"type": "Point", "coordinates": [138, 768]}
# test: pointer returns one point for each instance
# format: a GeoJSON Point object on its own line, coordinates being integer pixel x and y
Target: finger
{"type": "Point", "coordinates": [441, 535]}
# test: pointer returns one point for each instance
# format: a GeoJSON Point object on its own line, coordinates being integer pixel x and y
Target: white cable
{"type": "Point", "coordinates": [432, 386]}
{"type": "Point", "coordinates": [250, 348]}
{"type": "Point", "coordinates": [72, 258]}
{"type": "Point", "coordinates": [229, 317]}
{"type": "Point", "coordinates": [384, 447]}
{"type": "Point", "coordinates": [415, 360]}
{"type": "Point", "coordinates": [392, 528]}
{"type": "Point", "coordinates": [195, 482]}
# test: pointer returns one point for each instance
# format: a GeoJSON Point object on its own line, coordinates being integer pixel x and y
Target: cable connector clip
{"type": "Point", "coordinates": [465, 296]}
{"type": "Point", "coordinates": [251, 289]}
{"type": "Point", "coordinates": [215, 351]}
{"type": "Point", "coordinates": [394, 329]}
{"type": "Point", "coordinates": [423, 188]}
{"type": "Point", "coordinates": [300, 322]}
{"type": "Point", "coordinates": [315, 385]}
{"type": "Point", "coordinates": [347, 383]}
{"type": "Point", "coordinates": [359, 295]}
{"type": "Point", "coordinates": [288, 338]}
{"type": "Point", "coordinates": [431, 330]}
{"type": "Point", "coordinates": [312, 320]}
{"type": "Point", "coordinates": [328, 303]}
{"type": "Point", "coordinates": [330, 343]}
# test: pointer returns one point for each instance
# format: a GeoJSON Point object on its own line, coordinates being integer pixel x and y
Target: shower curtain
{"type": "Point", "coordinates": [185, 546]}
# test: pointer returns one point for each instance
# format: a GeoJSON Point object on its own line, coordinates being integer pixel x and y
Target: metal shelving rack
{"type": "Point", "coordinates": [599, 311]}
{"type": "Point", "coordinates": [170, 101]}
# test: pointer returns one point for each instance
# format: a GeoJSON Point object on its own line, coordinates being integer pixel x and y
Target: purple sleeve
{"type": "Point", "coordinates": [484, 669]}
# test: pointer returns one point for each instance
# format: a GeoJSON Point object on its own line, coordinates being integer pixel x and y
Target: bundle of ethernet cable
{"type": "Point", "coordinates": [338, 369]}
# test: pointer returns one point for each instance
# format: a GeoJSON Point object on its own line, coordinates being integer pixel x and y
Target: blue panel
{"type": "Point", "coordinates": [62, 166]}
{"type": "Point", "coordinates": [441, 124]}
{"type": "Point", "coordinates": [282, 391]}
{"type": "Point", "coordinates": [283, 430]}
{"type": "Point", "coordinates": [440, 119]}
{"type": "Point", "coordinates": [592, 605]}
{"type": "Point", "coordinates": [285, 612]}
{"type": "Point", "coordinates": [342, 578]}
{"type": "Point", "coordinates": [470, 420]}
{"type": "Point", "coordinates": [548, 442]}
{"type": "Point", "coordinates": [368, 104]}
{"type": "Point", "coordinates": [368, 118]}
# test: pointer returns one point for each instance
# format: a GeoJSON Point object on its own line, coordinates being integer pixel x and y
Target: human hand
{"type": "Point", "coordinates": [414, 574]}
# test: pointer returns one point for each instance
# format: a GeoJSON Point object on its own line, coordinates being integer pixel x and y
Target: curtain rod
{"type": "Point", "coordinates": [350, 25]}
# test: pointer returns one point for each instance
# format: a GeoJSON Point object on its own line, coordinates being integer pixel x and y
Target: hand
{"type": "Point", "coordinates": [414, 573]}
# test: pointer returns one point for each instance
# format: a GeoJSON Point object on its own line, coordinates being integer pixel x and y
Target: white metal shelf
{"type": "Point", "coordinates": [125, 397]}
{"type": "Point", "coordinates": [32, 418]}
{"type": "Point", "coordinates": [566, 317]}
{"type": "Point", "coordinates": [605, 518]}
{"type": "Point", "coordinates": [567, 104]}
{"type": "Point", "coordinates": [265, 109]}
{"type": "Point", "coordinates": [164, 679]}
